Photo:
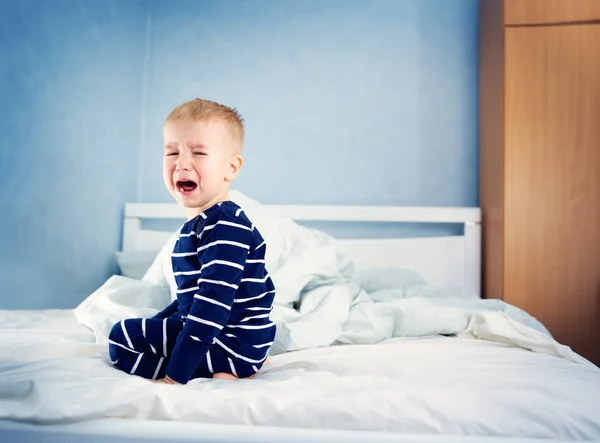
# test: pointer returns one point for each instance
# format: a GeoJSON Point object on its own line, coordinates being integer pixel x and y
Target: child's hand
{"type": "Point", "coordinates": [167, 380]}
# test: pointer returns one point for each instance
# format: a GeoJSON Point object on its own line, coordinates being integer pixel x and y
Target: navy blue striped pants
{"type": "Point", "coordinates": [142, 346]}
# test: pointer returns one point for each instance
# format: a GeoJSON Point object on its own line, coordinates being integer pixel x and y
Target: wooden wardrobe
{"type": "Point", "coordinates": [540, 163]}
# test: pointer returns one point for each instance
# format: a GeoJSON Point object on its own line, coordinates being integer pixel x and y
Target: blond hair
{"type": "Point", "coordinates": [206, 111]}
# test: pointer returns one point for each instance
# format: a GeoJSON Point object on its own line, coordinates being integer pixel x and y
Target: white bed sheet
{"type": "Point", "coordinates": [51, 370]}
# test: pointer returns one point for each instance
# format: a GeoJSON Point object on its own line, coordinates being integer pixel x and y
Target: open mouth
{"type": "Point", "coordinates": [186, 186]}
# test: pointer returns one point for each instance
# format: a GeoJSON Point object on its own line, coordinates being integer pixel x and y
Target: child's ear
{"type": "Point", "coordinates": [234, 166]}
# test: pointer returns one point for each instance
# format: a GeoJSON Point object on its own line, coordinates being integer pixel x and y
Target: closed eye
{"type": "Point", "coordinates": [199, 153]}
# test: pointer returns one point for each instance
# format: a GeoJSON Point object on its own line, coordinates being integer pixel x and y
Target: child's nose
{"type": "Point", "coordinates": [183, 162]}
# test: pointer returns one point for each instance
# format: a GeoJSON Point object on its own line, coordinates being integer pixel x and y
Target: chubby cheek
{"type": "Point", "coordinates": [215, 170]}
{"type": "Point", "coordinates": [205, 172]}
{"type": "Point", "coordinates": [168, 176]}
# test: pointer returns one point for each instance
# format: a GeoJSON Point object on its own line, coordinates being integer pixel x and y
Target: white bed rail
{"type": "Point", "coordinates": [397, 214]}
{"type": "Point", "coordinates": [469, 217]}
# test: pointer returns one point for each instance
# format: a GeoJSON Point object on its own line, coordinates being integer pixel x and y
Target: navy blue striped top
{"type": "Point", "coordinates": [224, 292]}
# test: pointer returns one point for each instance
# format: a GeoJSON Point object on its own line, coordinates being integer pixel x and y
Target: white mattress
{"type": "Point", "coordinates": [52, 372]}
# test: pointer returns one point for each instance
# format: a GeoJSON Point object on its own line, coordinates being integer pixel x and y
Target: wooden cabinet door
{"type": "Point", "coordinates": [528, 12]}
{"type": "Point", "coordinates": [552, 180]}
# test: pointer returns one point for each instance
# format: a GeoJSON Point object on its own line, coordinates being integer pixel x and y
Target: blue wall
{"type": "Point", "coordinates": [70, 135]}
{"type": "Point", "coordinates": [345, 102]}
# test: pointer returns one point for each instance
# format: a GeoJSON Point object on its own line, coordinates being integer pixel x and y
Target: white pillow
{"type": "Point", "coordinates": [378, 279]}
{"type": "Point", "coordinates": [160, 272]}
{"type": "Point", "coordinates": [134, 264]}
{"type": "Point", "coordinates": [117, 299]}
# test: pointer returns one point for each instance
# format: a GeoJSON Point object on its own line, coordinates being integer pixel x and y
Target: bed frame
{"type": "Point", "coordinates": [446, 259]}
{"type": "Point", "coordinates": [449, 261]}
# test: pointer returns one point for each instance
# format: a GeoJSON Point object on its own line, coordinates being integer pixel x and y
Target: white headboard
{"type": "Point", "coordinates": [448, 260]}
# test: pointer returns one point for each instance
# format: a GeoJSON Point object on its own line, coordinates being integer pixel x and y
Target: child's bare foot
{"type": "Point", "coordinates": [227, 376]}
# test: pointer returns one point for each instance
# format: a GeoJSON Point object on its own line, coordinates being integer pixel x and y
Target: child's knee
{"type": "Point", "coordinates": [121, 360]}
{"type": "Point", "coordinates": [116, 333]}
{"type": "Point", "coordinates": [116, 341]}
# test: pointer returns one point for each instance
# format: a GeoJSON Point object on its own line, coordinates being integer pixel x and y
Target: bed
{"type": "Point", "coordinates": [413, 361]}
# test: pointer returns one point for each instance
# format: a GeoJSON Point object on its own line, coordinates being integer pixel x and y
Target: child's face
{"type": "Point", "coordinates": [199, 162]}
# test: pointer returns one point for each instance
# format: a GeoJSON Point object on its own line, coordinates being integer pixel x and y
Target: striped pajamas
{"type": "Point", "coordinates": [220, 321]}
{"type": "Point", "coordinates": [142, 346]}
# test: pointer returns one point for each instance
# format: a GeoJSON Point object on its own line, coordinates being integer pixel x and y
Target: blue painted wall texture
{"type": "Point", "coordinates": [346, 102]}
